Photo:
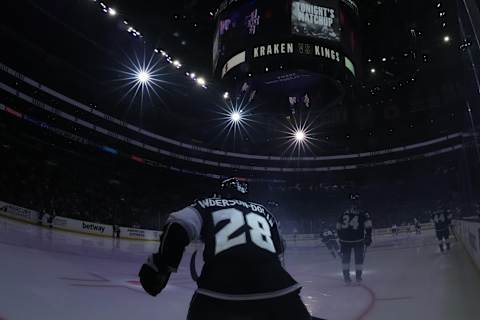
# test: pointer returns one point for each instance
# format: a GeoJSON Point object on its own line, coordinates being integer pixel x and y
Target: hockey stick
{"type": "Point", "coordinates": [365, 247]}
{"type": "Point", "coordinates": [193, 269]}
{"type": "Point", "coordinates": [452, 229]}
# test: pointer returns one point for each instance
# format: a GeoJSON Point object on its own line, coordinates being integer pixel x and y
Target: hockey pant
{"type": "Point", "coordinates": [287, 307]}
{"type": "Point", "coordinates": [443, 235]}
{"type": "Point", "coordinates": [358, 249]}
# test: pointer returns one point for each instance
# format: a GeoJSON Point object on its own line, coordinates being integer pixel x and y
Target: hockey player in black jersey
{"type": "Point", "coordinates": [442, 219]}
{"type": "Point", "coordinates": [418, 226]}
{"type": "Point", "coordinates": [394, 230]}
{"type": "Point", "coordinates": [354, 232]}
{"type": "Point", "coordinates": [242, 277]}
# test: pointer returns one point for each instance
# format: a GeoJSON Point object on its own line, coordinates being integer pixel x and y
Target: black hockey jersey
{"type": "Point", "coordinates": [242, 244]}
{"type": "Point", "coordinates": [352, 225]}
{"type": "Point", "coordinates": [416, 223]}
{"type": "Point", "coordinates": [442, 219]}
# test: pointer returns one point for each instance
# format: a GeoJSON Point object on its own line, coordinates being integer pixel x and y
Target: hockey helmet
{"type": "Point", "coordinates": [234, 187]}
{"type": "Point", "coordinates": [354, 197]}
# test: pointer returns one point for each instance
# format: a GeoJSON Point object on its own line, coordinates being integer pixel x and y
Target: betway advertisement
{"type": "Point", "coordinates": [83, 226]}
{"type": "Point", "coordinates": [318, 19]}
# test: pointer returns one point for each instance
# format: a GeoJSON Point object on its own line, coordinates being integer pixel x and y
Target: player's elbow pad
{"type": "Point", "coordinates": [173, 242]}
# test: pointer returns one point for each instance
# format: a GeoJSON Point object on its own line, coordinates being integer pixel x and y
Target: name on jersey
{"type": "Point", "coordinates": [206, 203]}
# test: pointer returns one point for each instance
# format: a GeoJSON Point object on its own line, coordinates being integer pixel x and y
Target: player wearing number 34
{"type": "Point", "coordinates": [242, 276]}
{"type": "Point", "coordinates": [354, 229]}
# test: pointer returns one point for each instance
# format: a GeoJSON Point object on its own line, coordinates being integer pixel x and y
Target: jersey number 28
{"type": "Point", "coordinates": [259, 230]}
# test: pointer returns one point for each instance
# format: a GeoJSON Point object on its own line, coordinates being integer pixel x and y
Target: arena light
{"type": "Point", "coordinates": [201, 81]}
{"type": "Point", "coordinates": [446, 39]}
{"type": "Point", "coordinates": [226, 95]}
{"type": "Point", "coordinates": [300, 135]}
{"type": "Point", "coordinates": [142, 78]}
{"type": "Point", "coordinates": [373, 70]}
{"type": "Point", "coordinates": [137, 34]}
{"type": "Point", "coordinates": [236, 116]}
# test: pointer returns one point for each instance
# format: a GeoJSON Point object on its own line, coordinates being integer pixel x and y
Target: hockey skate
{"type": "Point", "coordinates": [442, 249]}
{"type": "Point", "coordinates": [346, 277]}
{"type": "Point", "coordinates": [358, 276]}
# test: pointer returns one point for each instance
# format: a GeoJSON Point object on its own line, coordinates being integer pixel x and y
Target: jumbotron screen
{"type": "Point", "coordinates": [244, 26]}
{"type": "Point", "coordinates": [236, 26]}
{"type": "Point", "coordinates": [318, 19]}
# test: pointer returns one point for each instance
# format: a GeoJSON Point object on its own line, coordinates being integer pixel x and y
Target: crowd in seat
{"type": "Point", "coordinates": [70, 180]}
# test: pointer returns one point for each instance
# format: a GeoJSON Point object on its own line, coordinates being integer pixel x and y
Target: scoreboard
{"type": "Point", "coordinates": [318, 19]}
{"type": "Point", "coordinates": [299, 38]}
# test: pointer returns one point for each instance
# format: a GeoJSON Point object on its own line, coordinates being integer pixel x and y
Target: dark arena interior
{"type": "Point", "coordinates": [321, 156]}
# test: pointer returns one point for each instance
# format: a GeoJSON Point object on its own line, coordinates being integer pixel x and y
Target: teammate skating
{"type": "Point", "coordinates": [394, 230]}
{"type": "Point", "coordinates": [355, 233]}
{"type": "Point", "coordinates": [409, 228]}
{"type": "Point", "coordinates": [330, 241]}
{"type": "Point", "coordinates": [442, 219]}
{"type": "Point", "coordinates": [418, 226]}
{"type": "Point", "coordinates": [242, 277]}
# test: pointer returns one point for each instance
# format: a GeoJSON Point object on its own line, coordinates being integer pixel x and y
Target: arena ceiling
{"type": "Point", "coordinates": [411, 89]}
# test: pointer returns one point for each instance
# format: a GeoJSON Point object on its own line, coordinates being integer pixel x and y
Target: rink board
{"type": "Point", "coordinates": [73, 225]}
{"type": "Point", "coordinates": [18, 213]}
{"type": "Point", "coordinates": [468, 232]}
{"type": "Point", "coordinates": [105, 230]}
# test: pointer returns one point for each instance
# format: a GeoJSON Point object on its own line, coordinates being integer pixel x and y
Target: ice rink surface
{"type": "Point", "coordinates": [55, 275]}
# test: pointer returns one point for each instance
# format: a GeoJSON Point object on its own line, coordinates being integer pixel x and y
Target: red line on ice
{"type": "Point", "coordinates": [373, 299]}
